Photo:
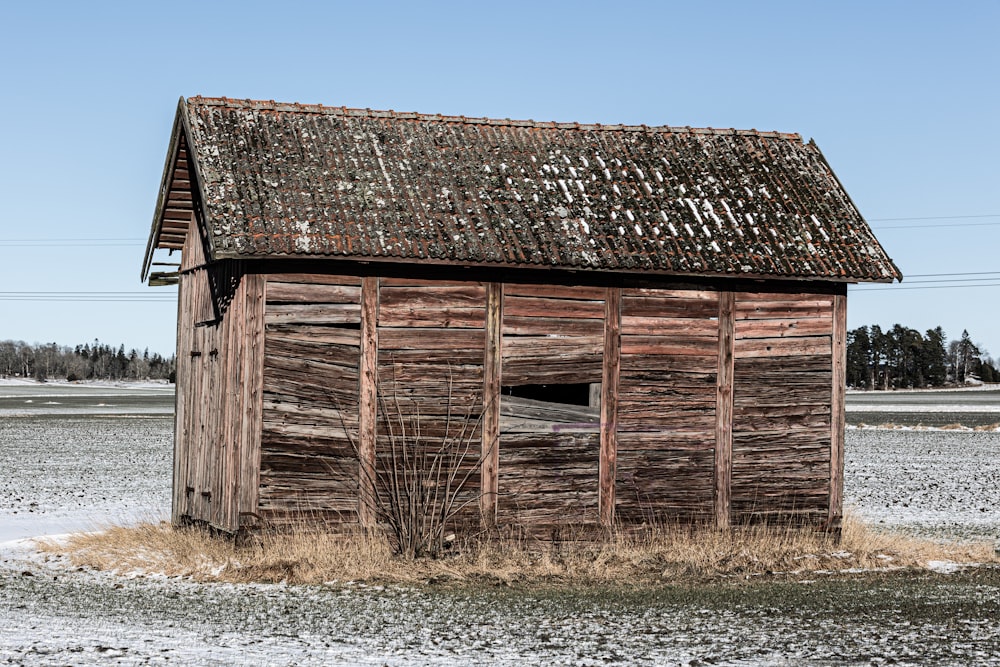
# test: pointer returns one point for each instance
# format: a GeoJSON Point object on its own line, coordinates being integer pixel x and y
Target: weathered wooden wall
{"type": "Point", "coordinates": [549, 452]}
{"type": "Point", "coordinates": [666, 409]}
{"type": "Point", "coordinates": [308, 457]}
{"type": "Point", "coordinates": [218, 391]}
{"type": "Point", "coordinates": [430, 379]}
{"type": "Point", "coordinates": [782, 407]}
{"type": "Point", "coordinates": [270, 425]}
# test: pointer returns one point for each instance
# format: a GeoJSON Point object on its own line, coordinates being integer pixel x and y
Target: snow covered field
{"type": "Point", "coordinates": [74, 458]}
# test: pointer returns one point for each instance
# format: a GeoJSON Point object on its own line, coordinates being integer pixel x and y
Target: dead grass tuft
{"type": "Point", "coordinates": [664, 555]}
{"type": "Point", "coordinates": [988, 427]}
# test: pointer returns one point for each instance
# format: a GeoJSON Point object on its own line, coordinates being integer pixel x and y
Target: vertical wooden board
{"type": "Point", "coordinates": [193, 252]}
{"type": "Point", "coordinates": [179, 505]}
{"type": "Point", "coordinates": [254, 388]}
{"type": "Point", "coordinates": [232, 323]}
{"type": "Point", "coordinates": [607, 465]}
{"type": "Point", "coordinates": [368, 400]}
{"type": "Point", "coordinates": [836, 510]}
{"type": "Point", "coordinates": [493, 353]}
{"type": "Point", "coordinates": [218, 447]}
{"type": "Point", "coordinates": [201, 471]}
{"type": "Point", "coordinates": [724, 411]}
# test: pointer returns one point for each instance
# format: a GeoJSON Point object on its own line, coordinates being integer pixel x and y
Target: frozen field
{"type": "Point", "coordinates": [77, 457]}
{"type": "Point", "coordinates": [968, 407]}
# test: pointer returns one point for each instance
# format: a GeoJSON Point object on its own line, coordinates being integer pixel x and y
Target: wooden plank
{"type": "Point", "coordinates": [670, 307]}
{"type": "Point", "coordinates": [570, 347]}
{"type": "Point", "coordinates": [670, 345]}
{"type": "Point", "coordinates": [232, 332]}
{"type": "Point", "coordinates": [669, 326]}
{"type": "Point", "coordinates": [179, 506]}
{"type": "Point", "coordinates": [492, 368]}
{"type": "Point", "coordinates": [314, 335]}
{"type": "Point", "coordinates": [782, 306]}
{"type": "Point", "coordinates": [544, 307]}
{"type": "Point", "coordinates": [724, 411]}
{"type": "Point", "coordinates": [554, 291]}
{"type": "Point", "coordinates": [607, 466]}
{"type": "Point", "coordinates": [783, 347]}
{"type": "Point", "coordinates": [836, 501]}
{"type": "Point", "coordinates": [425, 339]}
{"type": "Point", "coordinates": [782, 328]}
{"type": "Point", "coordinates": [252, 389]}
{"type": "Point", "coordinates": [661, 293]}
{"type": "Point", "coordinates": [517, 325]}
{"type": "Point", "coordinates": [418, 282]}
{"type": "Point", "coordinates": [313, 313]}
{"type": "Point", "coordinates": [309, 293]}
{"type": "Point", "coordinates": [314, 278]}
{"type": "Point", "coordinates": [555, 413]}
{"type": "Point", "coordinates": [368, 401]}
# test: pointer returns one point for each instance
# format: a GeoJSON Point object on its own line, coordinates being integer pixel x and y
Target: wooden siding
{"type": "Point", "coordinates": [548, 473]}
{"type": "Point", "coordinates": [308, 459]}
{"type": "Point", "coordinates": [666, 406]}
{"type": "Point", "coordinates": [704, 407]}
{"type": "Point", "coordinates": [431, 342]}
{"type": "Point", "coordinates": [218, 402]}
{"type": "Point", "coordinates": [782, 407]}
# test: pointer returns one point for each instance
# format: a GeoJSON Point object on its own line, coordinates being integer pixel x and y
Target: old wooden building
{"type": "Point", "coordinates": [631, 324]}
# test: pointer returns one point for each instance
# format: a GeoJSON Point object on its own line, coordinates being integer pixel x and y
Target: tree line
{"type": "Point", "coordinates": [901, 357]}
{"type": "Point", "coordinates": [90, 361]}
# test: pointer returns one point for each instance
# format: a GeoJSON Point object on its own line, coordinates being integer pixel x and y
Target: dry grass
{"type": "Point", "coordinates": [678, 555]}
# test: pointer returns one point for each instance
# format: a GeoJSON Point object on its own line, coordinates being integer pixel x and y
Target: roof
{"type": "Point", "coordinates": [304, 181]}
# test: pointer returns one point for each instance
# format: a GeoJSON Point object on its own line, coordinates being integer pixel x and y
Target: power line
{"type": "Point", "coordinates": [52, 243]}
{"type": "Point", "coordinates": [937, 217]}
{"type": "Point", "coordinates": [107, 297]}
{"type": "Point", "coordinates": [949, 275]}
{"type": "Point", "coordinates": [952, 226]}
{"type": "Point", "coordinates": [948, 280]}
{"type": "Point", "coordinates": [880, 289]}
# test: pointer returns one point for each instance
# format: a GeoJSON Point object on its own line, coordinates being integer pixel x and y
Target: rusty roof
{"type": "Point", "coordinates": [292, 180]}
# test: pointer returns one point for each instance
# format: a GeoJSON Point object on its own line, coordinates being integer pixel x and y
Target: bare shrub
{"type": "Point", "coordinates": [420, 484]}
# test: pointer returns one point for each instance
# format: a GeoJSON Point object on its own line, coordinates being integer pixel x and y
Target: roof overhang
{"type": "Point", "coordinates": [180, 193]}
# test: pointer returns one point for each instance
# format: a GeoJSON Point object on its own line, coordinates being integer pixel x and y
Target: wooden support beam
{"type": "Point", "coordinates": [368, 401]}
{"type": "Point", "coordinates": [607, 466]}
{"type": "Point", "coordinates": [724, 410]}
{"type": "Point", "coordinates": [490, 467]}
{"type": "Point", "coordinates": [251, 394]}
{"type": "Point", "coordinates": [839, 387]}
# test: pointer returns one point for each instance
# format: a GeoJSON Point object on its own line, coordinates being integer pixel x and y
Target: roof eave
{"type": "Point", "coordinates": [165, 180]}
{"type": "Point", "coordinates": [181, 130]}
{"type": "Point", "coordinates": [355, 259]}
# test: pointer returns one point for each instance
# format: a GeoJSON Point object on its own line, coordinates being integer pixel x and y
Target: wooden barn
{"type": "Point", "coordinates": [623, 324]}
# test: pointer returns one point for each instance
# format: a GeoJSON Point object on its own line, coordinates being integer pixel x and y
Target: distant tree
{"type": "Point", "coordinates": [967, 356]}
{"type": "Point", "coordinates": [935, 358]}
{"type": "Point", "coordinates": [859, 358]}
{"type": "Point", "coordinates": [51, 360]}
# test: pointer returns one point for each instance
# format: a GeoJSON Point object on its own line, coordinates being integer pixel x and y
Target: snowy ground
{"type": "Point", "coordinates": [77, 457]}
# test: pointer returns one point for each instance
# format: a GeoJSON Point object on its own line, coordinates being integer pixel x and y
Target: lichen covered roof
{"type": "Point", "coordinates": [291, 180]}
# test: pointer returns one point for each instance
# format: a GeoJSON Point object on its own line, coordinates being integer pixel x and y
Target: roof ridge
{"type": "Point", "coordinates": [296, 107]}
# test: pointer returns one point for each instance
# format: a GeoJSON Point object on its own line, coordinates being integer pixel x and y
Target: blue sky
{"type": "Point", "coordinates": [902, 97]}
